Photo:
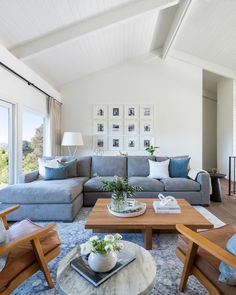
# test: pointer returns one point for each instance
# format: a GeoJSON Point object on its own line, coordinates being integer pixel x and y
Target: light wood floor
{"type": "Point", "coordinates": [225, 211]}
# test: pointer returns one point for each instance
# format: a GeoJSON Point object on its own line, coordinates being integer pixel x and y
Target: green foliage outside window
{"type": "Point", "coordinates": [31, 150]}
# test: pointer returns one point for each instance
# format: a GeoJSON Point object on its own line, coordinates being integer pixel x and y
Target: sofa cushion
{"type": "Point", "coordinates": [159, 170]}
{"type": "Point", "coordinates": [179, 167]}
{"type": "Point", "coordinates": [95, 184]}
{"type": "Point", "coordinates": [147, 184]}
{"type": "Point", "coordinates": [138, 165]}
{"type": "Point", "coordinates": [56, 173]}
{"type": "Point", "coordinates": [180, 185]}
{"type": "Point", "coordinates": [43, 191]}
{"type": "Point", "coordinates": [23, 256]}
{"type": "Point", "coordinates": [109, 166]}
{"type": "Point", "coordinates": [83, 164]}
{"type": "Point", "coordinates": [207, 263]}
{"type": "Point", "coordinates": [71, 165]}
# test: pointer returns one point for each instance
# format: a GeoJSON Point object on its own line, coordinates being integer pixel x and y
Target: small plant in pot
{"type": "Point", "coordinates": [151, 149]}
{"type": "Point", "coordinates": [120, 189]}
{"type": "Point", "coordinates": [102, 252]}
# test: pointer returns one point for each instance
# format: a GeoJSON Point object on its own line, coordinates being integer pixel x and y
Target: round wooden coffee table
{"type": "Point", "coordinates": [138, 277]}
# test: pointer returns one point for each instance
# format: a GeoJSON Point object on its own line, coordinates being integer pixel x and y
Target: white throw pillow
{"type": "Point", "coordinates": [159, 170]}
{"type": "Point", "coordinates": [46, 163]}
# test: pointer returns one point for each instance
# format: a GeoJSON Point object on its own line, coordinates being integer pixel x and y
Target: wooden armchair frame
{"type": "Point", "coordinates": [41, 259]}
{"type": "Point", "coordinates": [195, 241]}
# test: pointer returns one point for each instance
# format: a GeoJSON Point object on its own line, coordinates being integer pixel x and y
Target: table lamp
{"type": "Point", "coordinates": [72, 139]}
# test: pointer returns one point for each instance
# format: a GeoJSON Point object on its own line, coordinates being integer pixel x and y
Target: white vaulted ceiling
{"type": "Point", "coordinates": [210, 32]}
{"type": "Point", "coordinates": [64, 40]}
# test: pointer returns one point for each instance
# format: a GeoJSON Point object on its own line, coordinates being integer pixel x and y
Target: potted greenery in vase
{"type": "Point", "coordinates": [120, 189]}
{"type": "Point", "coordinates": [102, 252]}
{"type": "Point", "coordinates": [151, 149]}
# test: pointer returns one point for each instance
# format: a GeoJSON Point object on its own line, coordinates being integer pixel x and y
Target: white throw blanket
{"type": "Point", "coordinates": [193, 173]}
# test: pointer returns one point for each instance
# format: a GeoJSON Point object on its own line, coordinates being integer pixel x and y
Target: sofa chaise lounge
{"type": "Point", "coordinates": [62, 199]}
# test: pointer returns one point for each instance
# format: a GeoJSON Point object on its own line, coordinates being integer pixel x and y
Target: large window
{"type": "Point", "coordinates": [32, 140]}
{"type": "Point", "coordinates": [6, 144]}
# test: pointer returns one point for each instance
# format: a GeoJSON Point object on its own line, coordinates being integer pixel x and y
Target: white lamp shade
{"type": "Point", "coordinates": [72, 138]}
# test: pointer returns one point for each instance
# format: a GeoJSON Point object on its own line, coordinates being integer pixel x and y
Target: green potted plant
{"type": "Point", "coordinates": [102, 252]}
{"type": "Point", "coordinates": [151, 149]}
{"type": "Point", "coordinates": [120, 189]}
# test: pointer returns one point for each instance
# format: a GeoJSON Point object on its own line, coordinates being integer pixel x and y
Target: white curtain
{"type": "Point", "coordinates": [54, 120]}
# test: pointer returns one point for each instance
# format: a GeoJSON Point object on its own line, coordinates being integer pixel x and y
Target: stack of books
{"type": "Point", "coordinates": [169, 208]}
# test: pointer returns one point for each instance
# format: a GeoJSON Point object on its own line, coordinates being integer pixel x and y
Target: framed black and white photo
{"type": "Point", "coordinates": [146, 127]}
{"type": "Point", "coordinates": [116, 143]}
{"type": "Point", "coordinates": [131, 127]}
{"type": "Point", "coordinates": [146, 111]}
{"type": "Point", "coordinates": [100, 142]}
{"type": "Point", "coordinates": [100, 111]}
{"type": "Point", "coordinates": [131, 111]}
{"type": "Point", "coordinates": [100, 127]}
{"type": "Point", "coordinates": [146, 141]}
{"type": "Point", "coordinates": [115, 127]}
{"type": "Point", "coordinates": [116, 112]}
{"type": "Point", "coordinates": [131, 143]}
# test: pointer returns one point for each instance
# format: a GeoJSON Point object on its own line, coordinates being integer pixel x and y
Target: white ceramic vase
{"type": "Point", "coordinates": [102, 262]}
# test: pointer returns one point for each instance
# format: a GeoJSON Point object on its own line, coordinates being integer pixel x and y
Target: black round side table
{"type": "Point", "coordinates": [216, 195]}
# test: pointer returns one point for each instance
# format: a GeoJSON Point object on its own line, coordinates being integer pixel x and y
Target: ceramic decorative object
{"type": "Point", "coordinates": [102, 262]}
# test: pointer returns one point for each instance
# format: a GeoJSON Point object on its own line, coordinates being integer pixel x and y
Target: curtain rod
{"type": "Point", "coordinates": [24, 79]}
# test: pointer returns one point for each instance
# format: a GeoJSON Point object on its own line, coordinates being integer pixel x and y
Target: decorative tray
{"type": "Point", "coordinates": [132, 210]}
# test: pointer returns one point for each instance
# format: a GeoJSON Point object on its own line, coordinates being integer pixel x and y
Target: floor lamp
{"type": "Point", "coordinates": [72, 139]}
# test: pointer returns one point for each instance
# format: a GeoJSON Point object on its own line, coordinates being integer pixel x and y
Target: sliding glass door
{"type": "Point", "coordinates": [6, 144]}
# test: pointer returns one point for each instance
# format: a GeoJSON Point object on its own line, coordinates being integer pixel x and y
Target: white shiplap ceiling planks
{"type": "Point", "coordinates": [210, 32]}
{"type": "Point", "coordinates": [64, 40]}
{"type": "Point", "coordinates": [98, 50]}
{"type": "Point", "coordinates": [24, 20]}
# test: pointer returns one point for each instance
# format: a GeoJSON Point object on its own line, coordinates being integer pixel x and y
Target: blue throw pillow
{"type": "Point", "coordinates": [179, 167]}
{"type": "Point", "coordinates": [228, 273]}
{"type": "Point", "coordinates": [72, 167]}
{"type": "Point", "coordinates": [56, 173]}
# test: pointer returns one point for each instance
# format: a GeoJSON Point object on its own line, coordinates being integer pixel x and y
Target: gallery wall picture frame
{"type": "Point", "coordinates": [100, 111]}
{"type": "Point", "coordinates": [100, 127]}
{"type": "Point", "coordinates": [100, 142]}
{"type": "Point", "coordinates": [131, 143]}
{"type": "Point", "coordinates": [116, 112]}
{"type": "Point", "coordinates": [131, 127]}
{"type": "Point", "coordinates": [146, 141]}
{"type": "Point", "coordinates": [115, 143]}
{"type": "Point", "coordinates": [146, 111]}
{"type": "Point", "coordinates": [146, 127]}
{"type": "Point", "coordinates": [132, 111]}
{"type": "Point", "coordinates": [115, 127]}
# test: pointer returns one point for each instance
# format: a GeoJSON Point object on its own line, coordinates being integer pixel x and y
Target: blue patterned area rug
{"type": "Point", "coordinates": [169, 267]}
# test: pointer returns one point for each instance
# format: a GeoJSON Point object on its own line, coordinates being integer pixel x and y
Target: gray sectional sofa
{"type": "Point", "coordinates": [62, 199]}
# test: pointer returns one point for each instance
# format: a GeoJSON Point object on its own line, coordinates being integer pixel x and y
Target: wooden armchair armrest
{"type": "Point", "coordinates": [25, 238]}
{"type": "Point", "coordinates": [207, 245]}
{"type": "Point", "coordinates": [6, 211]}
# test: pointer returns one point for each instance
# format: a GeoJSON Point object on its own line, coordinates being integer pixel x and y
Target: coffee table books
{"type": "Point", "coordinates": [168, 208]}
{"type": "Point", "coordinates": [80, 264]}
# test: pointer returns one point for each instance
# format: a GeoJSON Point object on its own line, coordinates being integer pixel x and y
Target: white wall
{"type": "Point", "coordinates": [16, 91]}
{"type": "Point", "coordinates": [209, 131]}
{"type": "Point", "coordinates": [174, 87]}
{"type": "Point", "coordinates": [225, 119]}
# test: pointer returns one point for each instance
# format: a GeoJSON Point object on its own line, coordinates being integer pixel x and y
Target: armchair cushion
{"type": "Point", "coordinates": [228, 273]}
{"type": "Point", "coordinates": [207, 263]}
{"type": "Point", "coordinates": [23, 255]}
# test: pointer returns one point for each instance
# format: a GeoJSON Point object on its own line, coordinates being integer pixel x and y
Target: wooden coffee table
{"type": "Point", "coordinates": [100, 220]}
